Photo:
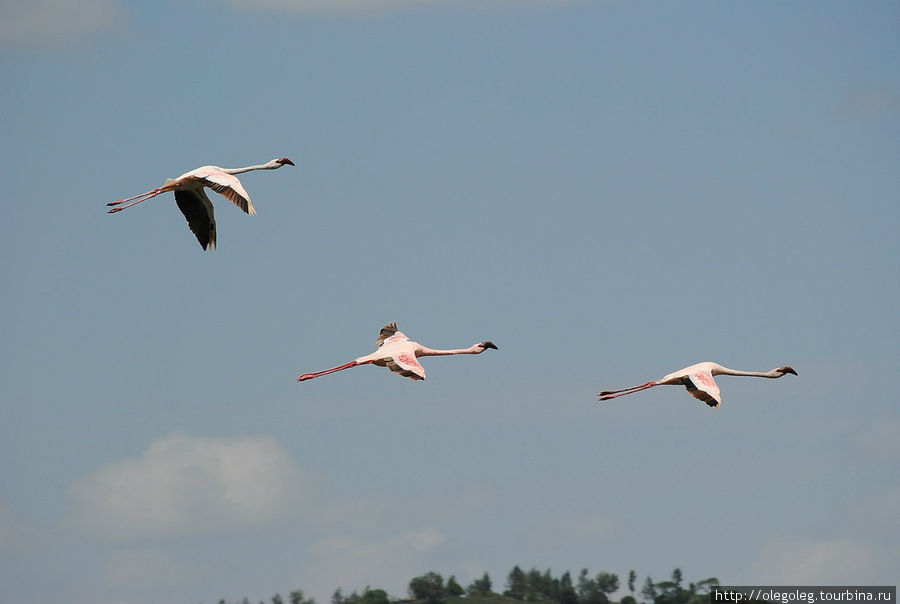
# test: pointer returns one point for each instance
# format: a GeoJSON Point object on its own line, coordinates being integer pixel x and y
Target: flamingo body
{"type": "Point", "coordinates": [399, 354]}
{"type": "Point", "coordinates": [193, 201]}
{"type": "Point", "coordinates": [699, 380]}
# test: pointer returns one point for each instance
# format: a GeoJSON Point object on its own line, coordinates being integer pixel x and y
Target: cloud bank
{"type": "Point", "coordinates": [34, 22]}
{"type": "Point", "coordinates": [183, 484]}
{"type": "Point", "coordinates": [355, 6]}
{"type": "Point", "coordinates": [59, 22]}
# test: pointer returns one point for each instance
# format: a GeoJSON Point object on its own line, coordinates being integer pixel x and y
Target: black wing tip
{"type": "Point", "coordinates": [386, 332]}
{"type": "Point", "coordinates": [389, 329]}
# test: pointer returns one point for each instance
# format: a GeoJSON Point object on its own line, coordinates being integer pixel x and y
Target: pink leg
{"type": "Point", "coordinates": [610, 394]}
{"type": "Point", "coordinates": [309, 376]}
{"type": "Point", "coordinates": [140, 198]}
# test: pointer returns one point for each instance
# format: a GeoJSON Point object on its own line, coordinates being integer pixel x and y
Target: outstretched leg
{"type": "Point", "coordinates": [610, 394]}
{"type": "Point", "coordinates": [309, 376]}
{"type": "Point", "coordinates": [139, 198]}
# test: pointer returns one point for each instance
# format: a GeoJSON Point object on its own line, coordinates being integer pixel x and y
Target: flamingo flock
{"type": "Point", "coordinates": [395, 350]}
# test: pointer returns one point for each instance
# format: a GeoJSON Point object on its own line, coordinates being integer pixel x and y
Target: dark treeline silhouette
{"type": "Point", "coordinates": [525, 586]}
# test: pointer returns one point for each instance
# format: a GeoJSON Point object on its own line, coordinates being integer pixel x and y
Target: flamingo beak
{"type": "Point", "coordinates": [788, 370]}
{"type": "Point", "coordinates": [285, 160]}
{"type": "Point", "coordinates": [488, 344]}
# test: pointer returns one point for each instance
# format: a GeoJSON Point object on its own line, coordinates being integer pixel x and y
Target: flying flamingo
{"type": "Point", "coordinates": [399, 354]}
{"type": "Point", "coordinates": [698, 379]}
{"type": "Point", "coordinates": [192, 199]}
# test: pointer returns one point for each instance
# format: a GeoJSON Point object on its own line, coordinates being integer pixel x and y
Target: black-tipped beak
{"type": "Point", "coordinates": [789, 370]}
{"type": "Point", "coordinates": [487, 345]}
{"type": "Point", "coordinates": [285, 160]}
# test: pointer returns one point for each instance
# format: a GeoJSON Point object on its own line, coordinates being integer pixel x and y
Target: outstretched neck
{"type": "Point", "coordinates": [268, 166]}
{"type": "Point", "coordinates": [422, 351]}
{"type": "Point", "coordinates": [774, 373]}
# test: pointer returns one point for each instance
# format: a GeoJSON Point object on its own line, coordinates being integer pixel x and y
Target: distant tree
{"type": "Point", "coordinates": [548, 588]}
{"type": "Point", "coordinates": [705, 586]}
{"type": "Point", "coordinates": [373, 596]}
{"type": "Point", "coordinates": [516, 584]}
{"type": "Point", "coordinates": [454, 588]}
{"type": "Point", "coordinates": [597, 589]}
{"type": "Point", "coordinates": [671, 592]}
{"type": "Point", "coordinates": [533, 581]}
{"type": "Point", "coordinates": [608, 583]}
{"type": "Point", "coordinates": [428, 587]}
{"type": "Point", "coordinates": [699, 592]}
{"type": "Point", "coordinates": [628, 600]}
{"type": "Point", "coordinates": [276, 599]}
{"type": "Point", "coordinates": [667, 592]}
{"type": "Point", "coordinates": [585, 586]}
{"type": "Point", "coordinates": [648, 591]}
{"type": "Point", "coordinates": [567, 593]}
{"type": "Point", "coordinates": [337, 597]}
{"type": "Point", "coordinates": [296, 597]}
{"type": "Point", "coordinates": [480, 587]}
{"type": "Point", "coordinates": [632, 577]}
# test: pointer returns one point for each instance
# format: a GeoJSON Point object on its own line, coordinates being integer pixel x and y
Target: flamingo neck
{"type": "Point", "coordinates": [430, 352]}
{"type": "Point", "coordinates": [766, 374]}
{"type": "Point", "coordinates": [269, 166]}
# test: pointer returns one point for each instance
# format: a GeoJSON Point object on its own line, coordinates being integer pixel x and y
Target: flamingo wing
{"type": "Point", "coordinates": [406, 364]}
{"type": "Point", "coordinates": [703, 387]}
{"type": "Point", "coordinates": [198, 210]}
{"type": "Point", "coordinates": [389, 331]}
{"type": "Point", "coordinates": [230, 187]}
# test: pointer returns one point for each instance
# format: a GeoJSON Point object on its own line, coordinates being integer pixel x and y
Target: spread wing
{"type": "Point", "coordinates": [198, 210]}
{"type": "Point", "coordinates": [703, 387]}
{"type": "Point", "coordinates": [387, 331]}
{"type": "Point", "coordinates": [406, 365]}
{"type": "Point", "coordinates": [229, 186]}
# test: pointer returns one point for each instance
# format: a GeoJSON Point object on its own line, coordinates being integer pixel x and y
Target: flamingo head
{"type": "Point", "coordinates": [485, 345]}
{"type": "Point", "coordinates": [785, 370]}
{"type": "Point", "coordinates": [283, 160]}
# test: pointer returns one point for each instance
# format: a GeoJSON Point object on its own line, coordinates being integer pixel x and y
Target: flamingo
{"type": "Point", "coordinates": [698, 379]}
{"type": "Point", "coordinates": [192, 199]}
{"type": "Point", "coordinates": [399, 354]}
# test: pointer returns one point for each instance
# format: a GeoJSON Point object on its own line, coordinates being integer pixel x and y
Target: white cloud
{"type": "Point", "coordinates": [43, 22]}
{"type": "Point", "coordinates": [184, 484]}
{"type": "Point", "coordinates": [345, 6]}
{"type": "Point", "coordinates": [32, 22]}
{"type": "Point", "coordinates": [353, 563]}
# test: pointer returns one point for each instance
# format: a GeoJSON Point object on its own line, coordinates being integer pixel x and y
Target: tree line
{"type": "Point", "coordinates": [526, 586]}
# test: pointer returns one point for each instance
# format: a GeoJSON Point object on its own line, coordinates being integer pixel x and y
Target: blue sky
{"type": "Point", "coordinates": [608, 190]}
